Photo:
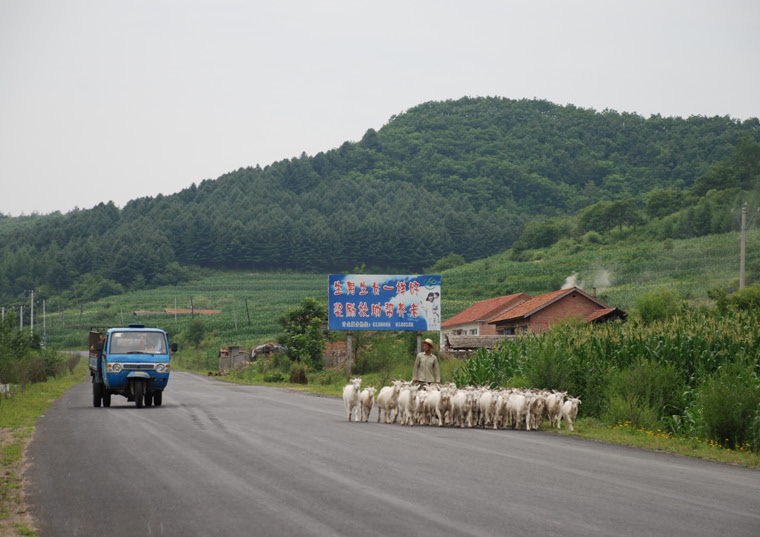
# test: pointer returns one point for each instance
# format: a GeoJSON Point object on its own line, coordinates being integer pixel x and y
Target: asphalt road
{"type": "Point", "coordinates": [221, 459]}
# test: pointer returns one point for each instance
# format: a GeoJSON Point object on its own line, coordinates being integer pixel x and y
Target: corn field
{"type": "Point", "coordinates": [248, 304]}
{"type": "Point", "coordinates": [690, 374]}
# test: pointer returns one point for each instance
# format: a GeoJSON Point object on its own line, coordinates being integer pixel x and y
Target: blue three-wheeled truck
{"type": "Point", "coordinates": [133, 362]}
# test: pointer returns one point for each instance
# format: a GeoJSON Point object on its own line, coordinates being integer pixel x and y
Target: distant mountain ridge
{"type": "Point", "coordinates": [462, 176]}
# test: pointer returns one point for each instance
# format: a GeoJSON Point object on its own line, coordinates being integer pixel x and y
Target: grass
{"type": "Point", "coordinates": [18, 415]}
{"type": "Point", "coordinates": [659, 440]}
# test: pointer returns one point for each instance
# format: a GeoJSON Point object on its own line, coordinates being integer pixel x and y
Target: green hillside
{"type": "Point", "coordinates": [472, 177]}
{"type": "Point", "coordinates": [620, 273]}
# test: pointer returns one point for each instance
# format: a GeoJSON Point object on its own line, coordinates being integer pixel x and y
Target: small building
{"type": "Point", "coordinates": [232, 357]}
{"type": "Point", "coordinates": [541, 312]}
{"type": "Point", "coordinates": [474, 320]}
{"type": "Point", "coordinates": [474, 323]}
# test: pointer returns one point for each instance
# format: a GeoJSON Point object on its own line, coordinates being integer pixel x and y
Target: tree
{"type": "Point", "coordinates": [624, 212]}
{"type": "Point", "coordinates": [662, 202]}
{"type": "Point", "coordinates": [304, 335]}
{"type": "Point", "coordinates": [450, 261]}
{"type": "Point", "coordinates": [541, 234]}
{"type": "Point", "coordinates": [195, 332]}
{"type": "Point", "coordinates": [595, 217]}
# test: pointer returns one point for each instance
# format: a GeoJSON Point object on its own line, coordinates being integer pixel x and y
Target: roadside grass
{"type": "Point", "coordinates": [664, 441]}
{"type": "Point", "coordinates": [18, 415]}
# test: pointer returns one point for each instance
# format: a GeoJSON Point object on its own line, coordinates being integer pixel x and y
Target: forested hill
{"type": "Point", "coordinates": [462, 177]}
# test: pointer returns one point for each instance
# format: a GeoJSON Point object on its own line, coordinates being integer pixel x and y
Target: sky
{"type": "Point", "coordinates": [111, 100]}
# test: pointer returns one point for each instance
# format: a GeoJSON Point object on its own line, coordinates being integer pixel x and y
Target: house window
{"type": "Point", "coordinates": [474, 332]}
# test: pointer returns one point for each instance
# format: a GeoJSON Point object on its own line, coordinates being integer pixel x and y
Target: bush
{"type": "Point", "coordinates": [275, 376]}
{"type": "Point", "coordinates": [659, 305]}
{"type": "Point", "coordinates": [728, 403]}
{"type": "Point", "coordinates": [743, 299]}
{"type": "Point", "coordinates": [550, 368]}
{"type": "Point", "coordinates": [275, 362]}
{"type": "Point", "coordinates": [446, 263]}
{"type": "Point", "coordinates": [592, 238]}
{"type": "Point", "coordinates": [72, 362]}
{"type": "Point", "coordinates": [298, 374]}
{"type": "Point", "coordinates": [642, 394]}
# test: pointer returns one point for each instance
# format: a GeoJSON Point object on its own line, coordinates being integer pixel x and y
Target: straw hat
{"type": "Point", "coordinates": [429, 342]}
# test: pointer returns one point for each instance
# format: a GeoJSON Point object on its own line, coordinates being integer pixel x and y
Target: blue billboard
{"type": "Point", "coordinates": [381, 302]}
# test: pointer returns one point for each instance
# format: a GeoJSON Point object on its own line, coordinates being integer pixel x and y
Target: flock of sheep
{"type": "Point", "coordinates": [468, 406]}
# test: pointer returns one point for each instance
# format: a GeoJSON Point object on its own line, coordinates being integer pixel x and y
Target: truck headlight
{"type": "Point", "coordinates": [116, 368]}
{"type": "Point", "coordinates": [160, 368]}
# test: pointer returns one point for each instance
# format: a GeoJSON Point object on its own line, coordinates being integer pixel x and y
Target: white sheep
{"type": "Point", "coordinates": [366, 400]}
{"type": "Point", "coordinates": [486, 407]}
{"type": "Point", "coordinates": [554, 407]}
{"type": "Point", "coordinates": [387, 401]}
{"type": "Point", "coordinates": [406, 404]}
{"type": "Point", "coordinates": [418, 414]}
{"type": "Point", "coordinates": [570, 411]}
{"type": "Point", "coordinates": [461, 407]}
{"type": "Point", "coordinates": [500, 414]}
{"type": "Point", "coordinates": [351, 398]}
{"type": "Point", "coordinates": [538, 410]}
{"type": "Point", "coordinates": [436, 405]}
{"type": "Point", "coordinates": [518, 407]}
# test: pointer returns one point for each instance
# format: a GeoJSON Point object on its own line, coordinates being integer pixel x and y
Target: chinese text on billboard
{"type": "Point", "coordinates": [378, 302]}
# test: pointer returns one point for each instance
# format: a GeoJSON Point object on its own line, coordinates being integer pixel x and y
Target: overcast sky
{"type": "Point", "coordinates": [114, 100]}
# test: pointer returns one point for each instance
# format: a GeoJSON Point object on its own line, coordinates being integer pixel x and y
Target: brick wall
{"type": "Point", "coordinates": [574, 304]}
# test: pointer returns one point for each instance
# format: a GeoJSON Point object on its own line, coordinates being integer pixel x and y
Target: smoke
{"type": "Point", "coordinates": [601, 280]}
{"type": "Point", "coordinates": [570, 281]}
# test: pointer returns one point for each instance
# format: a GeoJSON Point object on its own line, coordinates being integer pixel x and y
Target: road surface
{"type": "Point", "coordinates": [223, 459]}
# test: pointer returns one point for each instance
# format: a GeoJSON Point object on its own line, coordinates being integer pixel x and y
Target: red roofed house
{"type": "Point", "coordinates": [474, 320]}
{"type": "Point", "coordinates": [539, 313]}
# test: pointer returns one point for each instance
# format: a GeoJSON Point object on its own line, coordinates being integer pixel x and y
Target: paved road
{"type": "Point", "coordinates": [220, 459]}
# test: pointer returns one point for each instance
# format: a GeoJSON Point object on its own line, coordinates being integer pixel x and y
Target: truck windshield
{"type": "Point", "coordinates": [138, 343]}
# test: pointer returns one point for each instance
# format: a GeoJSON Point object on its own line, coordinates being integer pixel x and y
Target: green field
{"type": "Point", "coordinates": [250, 302]}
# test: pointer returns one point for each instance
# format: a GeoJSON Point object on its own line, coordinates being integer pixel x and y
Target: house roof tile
{"type": "Point", "coordinates": [536, 303]}
{"type": "Point", "coordinates": [484, 310]}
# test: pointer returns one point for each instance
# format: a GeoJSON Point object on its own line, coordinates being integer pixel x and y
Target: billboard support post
{"type": "Point", "coordinates": [349, 352]}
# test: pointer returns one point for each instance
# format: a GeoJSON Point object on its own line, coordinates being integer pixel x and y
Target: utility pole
{"type": "Point", "coordinates": [743, 249]}
{"type": "Point", "coordinates": [44, 325]}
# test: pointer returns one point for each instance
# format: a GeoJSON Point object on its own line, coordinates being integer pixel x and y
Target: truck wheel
{"type": "Point", "coordinates": [106, 398]}
{"type": "Point", "coordinates": [97, 393]}
{"type": "Point", "coordinates": [139, 388]}
{"type": "Point", "coordinates": [148, 398]}
{"type": "Point", "coordinates": [157, 397]}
